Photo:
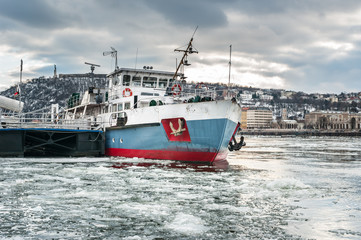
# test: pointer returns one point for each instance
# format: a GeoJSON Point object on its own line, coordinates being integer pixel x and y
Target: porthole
{"type": "Point", "coordinates": [113, 140]}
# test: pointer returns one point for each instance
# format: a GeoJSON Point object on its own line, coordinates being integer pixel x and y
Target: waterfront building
{"type": "Point", "coordinates": [288, 124]}
{"type": "Point", "coordinates": [333, 120]}
{"type": "Point", "coordinates": [256, 118]}
{"type": "Point", "coordinates": [244, 118]}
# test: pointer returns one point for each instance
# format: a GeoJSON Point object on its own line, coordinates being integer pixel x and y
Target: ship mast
{"type": "Point", "coordinates": [188, 50]}
{"type": "Point", "coordinates": [114, 54]}
{"type": "Point", "coordinates": [19, 90]}
{"type": "Point", "coordinates": [230, 64]}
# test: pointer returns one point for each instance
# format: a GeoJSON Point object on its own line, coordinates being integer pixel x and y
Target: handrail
{"type": "Point", "coordinates": [59, 123]}
{"type": "Point", "coordinates": [45, 119]}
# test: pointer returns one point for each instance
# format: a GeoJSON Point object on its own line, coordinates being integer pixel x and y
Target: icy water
{"type": "Point", "coordinates": [275, 188]}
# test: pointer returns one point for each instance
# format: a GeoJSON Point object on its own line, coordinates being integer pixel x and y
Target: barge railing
{"type": "Point", "coordinates": [43, 118]}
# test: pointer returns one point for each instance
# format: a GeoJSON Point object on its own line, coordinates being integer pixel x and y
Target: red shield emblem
{"type": "Point", "coordinates": [176, 129]}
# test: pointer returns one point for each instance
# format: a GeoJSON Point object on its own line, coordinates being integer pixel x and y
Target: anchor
{"type": "Point", "coordinates": [233, 145]}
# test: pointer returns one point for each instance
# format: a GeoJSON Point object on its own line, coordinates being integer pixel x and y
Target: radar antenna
{"type": "Point", "coordinates": [92, 66]}
{"type": "Point", "coordinates": [114, 54]}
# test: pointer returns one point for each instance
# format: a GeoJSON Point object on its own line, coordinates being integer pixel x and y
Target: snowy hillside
{"type": "Point", "coordinates": [42, 92]}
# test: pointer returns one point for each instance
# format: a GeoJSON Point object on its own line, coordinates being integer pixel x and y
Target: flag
{"type": "Point", "coordinates": [17, 90]}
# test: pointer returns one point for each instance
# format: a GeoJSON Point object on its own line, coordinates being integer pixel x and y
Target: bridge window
{"type": "Point", "coordinates": [136, 81]}
{"type": "Point", "coordinates": [126, 80]}
{"type": "Point", "coordinates": [127, 105]}
{"type": "Point", "coordinates": [163, 82]}
{"type": "Point", "coordinates": [150, 82]}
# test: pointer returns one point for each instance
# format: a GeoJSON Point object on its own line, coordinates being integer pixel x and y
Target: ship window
{"type": "Point", "coordinates": [170, 82]}
{"type": "Point", "coordinates": [136, 81]}
{"type": "Point", "coordinates": [150, 82]}
{"type": "Point", "coordinates": [115, 80]}
{"type": "Point", "coordinates": [126, 80]}
{"type": "Point", "coordinates": [163, 82]}
{"type": "Point", "coordinates": [127, 105]}
{"type": "Point", "coordinates": [114, 108]}
{"type": "Point", "coordinates": [120, 107]}
{"type": "Point", "coordinates": [149, 94]}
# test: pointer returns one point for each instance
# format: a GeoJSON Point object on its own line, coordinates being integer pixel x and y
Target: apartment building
{"type": "Point", "coordinates": [256, 118]}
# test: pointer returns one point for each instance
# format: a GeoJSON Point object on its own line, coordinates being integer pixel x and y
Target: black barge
{"type": "Point", "coordinates": [24, 142]}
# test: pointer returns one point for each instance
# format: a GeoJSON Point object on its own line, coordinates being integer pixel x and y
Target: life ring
{"type": "Point", "coordinates": [127, 92]}
{"type": "Point", "coordinates": [177, 89]}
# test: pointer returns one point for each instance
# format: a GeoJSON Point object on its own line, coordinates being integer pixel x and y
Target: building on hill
{"type": "Point", "coordinates": [266, 97]}
{"type": "Point", "coordinates": [246, 96]}
{"type": "Point", "coordinates": [81, 76]}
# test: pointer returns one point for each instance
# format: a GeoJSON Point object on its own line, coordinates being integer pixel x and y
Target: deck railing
{"type": "Point", "coordinates": [44, 118]}
{"type": "Point", "coordinates": [50, 118]}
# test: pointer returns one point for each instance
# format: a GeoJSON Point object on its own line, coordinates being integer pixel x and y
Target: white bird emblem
{"type": "Point", "coordinates": [178, 131]}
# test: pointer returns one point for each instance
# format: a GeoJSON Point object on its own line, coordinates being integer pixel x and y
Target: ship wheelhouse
{"type": "Point", "coordinates": [145, 78]}
{"type": "Point", "coordinates": [134, 88]}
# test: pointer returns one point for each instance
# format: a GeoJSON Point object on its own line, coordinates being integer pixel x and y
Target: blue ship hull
{"type": "Point", "coordinates": [208, 141]}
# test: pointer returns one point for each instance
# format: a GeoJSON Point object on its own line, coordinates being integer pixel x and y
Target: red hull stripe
{"type": "Point", "coordinates": [235, 131]}
{"type": "Point", "coordinates": [167, 155]}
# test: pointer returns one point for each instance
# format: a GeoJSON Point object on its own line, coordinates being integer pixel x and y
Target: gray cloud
{"type": "Point", "coordinates": [35, 13]}
{"type": "Point", "coordinates": [191, 13]}
{"type": "Point", "coordinates": [310, 45]}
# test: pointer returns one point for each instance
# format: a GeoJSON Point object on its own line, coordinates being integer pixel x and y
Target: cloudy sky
{"type": "Point", "coordinates": [300, 45]}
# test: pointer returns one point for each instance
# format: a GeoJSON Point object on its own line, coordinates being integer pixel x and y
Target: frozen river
{"type": "Point", "coordinates": [275, 188]}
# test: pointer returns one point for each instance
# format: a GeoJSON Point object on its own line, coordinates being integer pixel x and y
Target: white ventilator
{"type": "Point", "coordinates": [11, 104]}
